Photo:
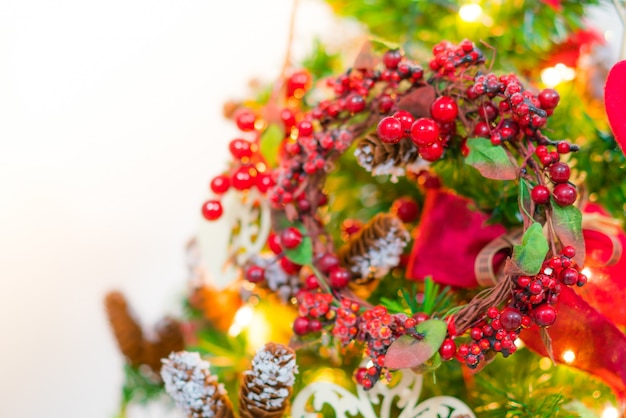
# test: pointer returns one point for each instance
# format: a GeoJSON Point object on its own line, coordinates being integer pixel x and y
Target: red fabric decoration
{"type": "Point", "coordinates": [448, 239]}
{"type": "Point", "coordinates": [599, 346]}
{"type": "Point", "coordinates": [615, 102]}
{"type": "Point", "coordinates": [570, 50]}
{"type": "Point", "coordinates": [606, 288]}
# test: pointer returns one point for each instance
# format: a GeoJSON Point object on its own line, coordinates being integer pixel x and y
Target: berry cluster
{"type": "Point", "coordinates": [558, 172]}
{"type": "Point", "coordinates": [448, 57]}
{"type": "Point", "coordinates": [314, 309]}
{"type": "Point", "coordinates": [533, 303]}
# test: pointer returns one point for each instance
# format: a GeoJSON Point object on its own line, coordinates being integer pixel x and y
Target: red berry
{"type": "Point", "coordinates": [263, 182]}
{"type": "Point", "coordinates": [288, 118]}
{"type": "Point", "coordinates": [298, 83]}
{"type": "Point", "coordinates": [273, 241]}
{"type": "Point", "coordinates": [301, 325]}
{"type": "Point", "coordinates": [255, 274]}
{"type": "Point", "coordinates": [220, 184]}
{"type": "Point", "coordinates": [355, 103]}
{"type": "Point", "coordinates": [386, 103]}
{"type": "Point", "coordinates": [424, 131]}
{"type": "Point", "coordinates": [327, 262]}
{"type": "Point", "coordinates": [447, 349]}
{"type": "Point", "coordinates": [569, 251]}
{"type": "Point", "coordinates": [544, 315]}
{"type": "Point", "coordinates": [540, 194]}
{"type": "Point", "coordinates": [339, 278]}
{"type": "Point", "coordinates": [291, 237]}
{"type": "Point", "coordinates": [245, 120]}
{"type": "Point", "coordinates": [482, 130]}
{"type": "Point", "coordinates": [360, 374]}
{"type": "Point", "coordinates": [315, 325]}
{"type": "Point", "coordinates": [244, 177]}
{"type": "Point", "coordinates": [549, 98]}
{"type": "Point", "coordinates": [240, 148]}
{"type": "Point", "coordinates": [444, 109]}
{"type": "Point", "coordinates": [392, 58]}
{"type": "Point", "coordinates": [212, 210]}
{"type": "Point", "coordinates": [311, 282]}
{"type": "Point", "coordinates": [564, 194]}
{"type": "Point", "coordinates": [559, 172]}
{"type": "Point", "coordinates": [432, 152]}
{"type": "Point", "coordinates": [289, 266]}
{"type": "Point", "coordinates": [406, 209]}
{"type": "Point", "coordinates": [493, 312]}
{"type": "Point", "coordinates": [488, 112]}
{"type": "Point", "coordinates": [390, 130]}
{"type": "Point", "coordinates": [405, 118]}
{"type": "Point", "coordinates": [563, 147]}
{"type": "Point", "coordinates": [569, 276]}
{"type": "Point", "coordinates": [511, 319]}
{"type": "Point", "coordinates": [305, 128]}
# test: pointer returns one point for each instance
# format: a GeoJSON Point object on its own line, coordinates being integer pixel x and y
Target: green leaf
{"type": "Point", "coordinates": [529, 256]}
{"type": "Point", "coordinates": [410, 352]}
{"type": "Point", "coordinates": [270, 143]}
{"type": "Point", "coordinates": [524, 199]}
{"type": "Point", "coordinates": [303, 253]}
{"type": "Point", "coordinates": [429, 365]}
{"type": "Point", "coordinates": [492, 161]}
{"type": "Point", "coordinates": [567, 222]}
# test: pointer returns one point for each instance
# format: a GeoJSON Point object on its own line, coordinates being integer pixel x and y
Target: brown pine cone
{"type": "Point", "coordinates": [381, 158]}
{"type": "Point", "coordinates": [189, 382]}
{"type": "Point", "coordinates": [267, 386]}
{"type": "Point", "coordinates": [375, 249]}
{"type": "Point", "coordinates": [127, 331]}
{"type": "Point", "coordinates": [169, 338]}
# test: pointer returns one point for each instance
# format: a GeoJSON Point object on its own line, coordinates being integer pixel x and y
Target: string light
{"type": "Point", "coordinates": [610, 412]}
{"type": "Point", "coordinates": [587, 272]}
{"type": "Point", "coordinates": [470, 12]}
{"type": "Point", "coordinates": [242, 319]}
{"type": "Point", "coordinates": [568, 356]}
{"type": "Point", "coordinates": [553, 76]}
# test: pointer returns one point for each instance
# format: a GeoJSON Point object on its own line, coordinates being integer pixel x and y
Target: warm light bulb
{"type": "Point", "coordinates": [242, 319]}
{"type": "Point", "coordinates": [587, 272]}
{"type": "Point", "coordinates": [568, 356]}
{"type": "Point", "coordinates": [610, 412]}
{"type": "Point", "coordinates": [553, 76]}
{"type": "Point", "coordinates": [470, 12]}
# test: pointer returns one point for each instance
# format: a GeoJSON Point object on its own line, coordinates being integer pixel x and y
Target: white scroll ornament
{"type": "Point", "coordinates": [405, 395]}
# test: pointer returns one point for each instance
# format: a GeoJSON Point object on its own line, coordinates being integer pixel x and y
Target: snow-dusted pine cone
{"type": "Point", "coordinates": [126, 329]}
{"type": "Point", "coordinates": [189, 382]}
{"type": "Point", "coordinates": [375, 249]}
{"type": "Point", "coordinates": [381, 158]}
{"type": "Point", "coordinates": [267, 386]}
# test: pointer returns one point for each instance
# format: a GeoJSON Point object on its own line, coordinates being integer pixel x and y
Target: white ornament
{"type": "Point", "coordinates": [240, 233]}
{"type": "Point", "coordinates": [405, 395]}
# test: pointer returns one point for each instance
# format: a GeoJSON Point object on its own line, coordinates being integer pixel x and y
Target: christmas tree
{"type": "Point", "coordinates": [433, 227]}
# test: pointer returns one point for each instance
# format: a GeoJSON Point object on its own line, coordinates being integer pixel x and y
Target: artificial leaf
{"type": "Point", "coordinates": [303, 253]}
{"type": "Point", "coordinates": [492, 161]}
{"type": "Point", "coordinates": [429, 365]}
{"type": "Point", "coordinates": [529, 256]}
{"type": "Point", "coordinates": [418, 101]}
{"type": "Point", "coordinates": [567, 221]}
{"type": "Point", "coordinates": [366, 59]}
{"type": "Point", "coordinates": [524, 199]}
{"type": "Point", "coordinates": [410, 352]}
{"type": "Point", "coordinates": [270, 143]}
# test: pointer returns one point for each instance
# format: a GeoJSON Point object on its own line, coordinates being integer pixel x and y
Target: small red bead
{"type": "Point", "coordinates": [431, 152]}
{"type": "Point", "coordinates": [240, 148]}
{"type": "Point", "coordinates": [559, 172]}
{"type": "Point", "coordinates": [255, 274]}
{"type": "Point", "coordinates": [392, 58]}
{"type": "Point", "coordinates": [311, 282]}
{"type": "Point", "coordinates": [273, 241]}
{"type": "Point", "coordinates": [482, 130]}
{"type": "Point", "coordinates": [540, 194]}
{"type": "Point", "coordinates": [327, 262]}
{"type": "Point", "coordinates": [220, 184]}
{"type": "Point", "coordinates": [569, 251]}
{"type": "Point", "coordinates": [355, 103]}
{"type": "Point", "coordinates": [245, 120]}
{"type": "Point", "coordinates": [444, 109]}
{"type": "Point", "coordinates": [212, 210]}
{"type": "Point", "coordinates": [244, 177]}
{"type": "Point", "coordinates": [301, 325]}
{"type": "Point", "coordinates": [424, 131]}
{"type": "Point", "coordinates": [289, 266]}
{"type": "Point", "coordinates": [544, 315]}
{"type": "Point", "coordinates": [291, 237]}
{"type": "Point", "coordinates": [549, 98]}
{"type": "Point", "coordinates": [305, 128]}
{"type": "Point", "coordinates": [510, 319]}
{"type": "Point", "coordinates": [564, 194]}
{"type": "Point", "coordinates": [405, 118]}
{"type": "Point", "coordinates": [390, 130]}
{"type": "Point", "coordinates": [339, 278]}
{"type": "Point", "coordinates": [447, 349]}
{"type": "Point", "coordinates": [406, 209]}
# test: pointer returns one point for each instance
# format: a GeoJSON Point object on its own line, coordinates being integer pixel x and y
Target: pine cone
{"type": "Point", "coordinates": [169, 339]}
{"type": "Point", "coordinates": [267, 387]}
{"type": "Point", "coordinates": [127, 331]}
{"type": "Point", "coordinates": [381, 158]}
{"type": "Point", "coordinates": [189, 382]}
{"type": "Point", "coordinates": [375, 249]}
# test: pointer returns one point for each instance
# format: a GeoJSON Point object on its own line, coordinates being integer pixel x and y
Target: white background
{"type": "Point", "coordinates": [110, 130]}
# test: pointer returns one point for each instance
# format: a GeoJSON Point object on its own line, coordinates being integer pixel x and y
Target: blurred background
{"type": "Point", "coordinates": [110, 129]}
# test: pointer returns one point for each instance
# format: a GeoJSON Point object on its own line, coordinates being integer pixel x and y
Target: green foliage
{"type": "Point", "coordinates": [138, 387]}
{"type": "Point", "coordinates": [568, 226]}
{"type": "Point", "coordinates": [417, 23]}
{"type": "Point", "coordinates": [303, 253]}
{"type": "Point", "coordinates": [322, 63]}
{"type": "Point", "coordinates": [270, 143]}
{"type": "Point", "coordinates": [530, 254]}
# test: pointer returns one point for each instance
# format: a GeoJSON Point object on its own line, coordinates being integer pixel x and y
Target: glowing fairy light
{"type": "Point", "coordinates": [470, 12]}
{"type": "Point", "coordinates": [242, 319]}
{"type": "Point", "coordinates": [568, 356]}
{"type": "Point", "coordinates": [553, 76]}
{"type": "Point", "coordinates": [610, 412]}
{"type": "Point", "coordinates": [587, 272]}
